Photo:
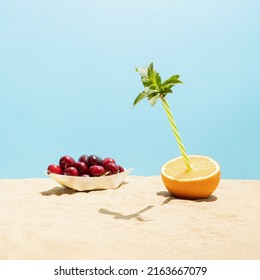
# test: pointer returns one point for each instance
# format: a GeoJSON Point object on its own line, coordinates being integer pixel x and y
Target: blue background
{"type": "Point", "coordinates": [68, 82]}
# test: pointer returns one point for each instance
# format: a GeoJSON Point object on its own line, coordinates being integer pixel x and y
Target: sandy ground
{"type": "Point", "coordinates": [140, 221]}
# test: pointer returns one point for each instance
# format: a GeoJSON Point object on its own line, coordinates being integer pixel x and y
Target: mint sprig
{"type": "Point", "coordinates": [153, 87]}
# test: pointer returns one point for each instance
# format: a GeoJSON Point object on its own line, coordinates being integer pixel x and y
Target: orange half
{"type": "Point", "coordinates": [198, 183]}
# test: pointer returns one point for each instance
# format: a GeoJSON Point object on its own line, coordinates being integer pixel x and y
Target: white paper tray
{"type": "Point", "coordinates": [91, 183]}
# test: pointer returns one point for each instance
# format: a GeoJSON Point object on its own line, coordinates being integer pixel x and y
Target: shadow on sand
{"type": "Point", "coordinates": [58, 191]}
{"type": "Point", "coordinates": [119, 216]}
{"type": "Point", "coordinates": [169, 198]}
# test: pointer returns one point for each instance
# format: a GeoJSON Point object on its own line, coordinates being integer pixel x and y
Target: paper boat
{"type": "Point", "coordinates": [91, 183]}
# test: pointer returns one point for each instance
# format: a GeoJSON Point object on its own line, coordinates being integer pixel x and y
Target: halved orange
{"type": "Point", "coordinates": [198, 183]}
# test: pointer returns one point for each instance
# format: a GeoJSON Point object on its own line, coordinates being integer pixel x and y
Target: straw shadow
{"type": "Point", "coordinates": [170, 197]}
{"type": "Point", "coordinates": [59, 191]}
{"type": "Point", "coordinates": [119, 216]}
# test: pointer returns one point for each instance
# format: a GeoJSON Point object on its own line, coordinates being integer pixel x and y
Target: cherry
{"type": "Point", "coordinates": [112, 168]}
{"type": "Point", "coordinates": [94, 160]}
{"type": "Point", "coordinates": [66, 161]}
{"type": "Point", "coordinates": [83, 158]}
{"type": "Point", "coordinates": [108, 160]}
{"type": "Point", "coordinates": [71, 171]}
{"type": "Point", "coordinates": [81, 167]}
{"type": "Point", "coordinates": [96, 170]}
{"type": "Point", "coordinates": [121, 168]}
{"type": "Point", "coordinates": [86, 166]}
{"type": "Point", "coordinates": [54, 168]}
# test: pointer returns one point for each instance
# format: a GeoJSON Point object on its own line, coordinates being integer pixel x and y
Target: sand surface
{"type": "Point", "coordinates": [41, 220]}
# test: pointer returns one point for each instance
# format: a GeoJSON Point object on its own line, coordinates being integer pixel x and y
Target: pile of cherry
{"type": "Point", "coordinates": [86, 166]}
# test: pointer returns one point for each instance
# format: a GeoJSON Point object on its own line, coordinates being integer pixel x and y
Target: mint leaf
{"type": "Point", "coordinates": [158, 79]}
{"type": "Point", "coordinates": [153, 97]}
{"type": "Point", "coordinates": [140, 97]}
{"type": "Point", "coordinates": [166, 90]}
{"type": "Point", "coordinates": [144, 76]}
{"type": "Point", "coordinates": [172, 81]}
{"type": "Point", "coordinates": [154, 76]}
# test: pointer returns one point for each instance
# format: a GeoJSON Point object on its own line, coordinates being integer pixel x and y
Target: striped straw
{"type": "Point", "coordinates": [176, 132]}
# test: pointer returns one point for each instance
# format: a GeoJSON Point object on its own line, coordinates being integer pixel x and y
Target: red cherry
{"type": "Point", "coordinates": [108, 160]}
{"type": "Point", "coordinates": [83, 158]}
{"type": "Point", "coordinates": [121, 168]}
{"type": "Point", "coordinates": [96, 170]}
{"type": "Point", "coordinates": [66, 161]}
{"type": "Point", "coordinates": [71, 171]}
{"type": "Point", "coordinates": [112, 168]}
{"type": "Point", "coordinates": [54, 168]}
{"type": "Point", "coordinates": [81, 167]}
{"type": "Point", "coordinates": [94, 160]}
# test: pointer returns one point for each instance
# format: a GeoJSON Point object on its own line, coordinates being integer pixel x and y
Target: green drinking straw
{"type": "Point", "coordinates": [155, 89]}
